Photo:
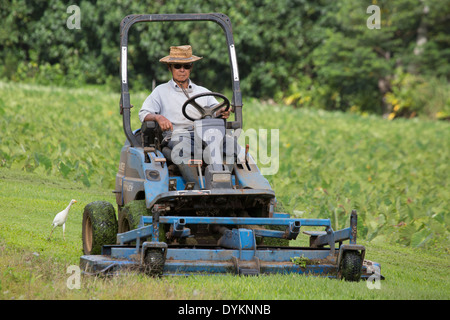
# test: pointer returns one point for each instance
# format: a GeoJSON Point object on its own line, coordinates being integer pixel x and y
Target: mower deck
{"type": "Point", "coordinates": [236, 252]}
{"type": "Point", "coordinates": [205, 261]}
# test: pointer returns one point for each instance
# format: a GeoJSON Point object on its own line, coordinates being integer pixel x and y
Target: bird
{"type": "Point", "coordinates": [61, 218]}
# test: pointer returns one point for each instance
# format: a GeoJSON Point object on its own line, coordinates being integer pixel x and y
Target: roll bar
{"type": "Point", "coordinates": [219, 18]}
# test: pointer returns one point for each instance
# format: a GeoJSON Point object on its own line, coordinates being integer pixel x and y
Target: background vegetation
{"type": "Point", "coordinates": [318, 54]}
{"type": "Point", "coordinates": [311, 69]}
{"type": "Point", "coordinates": [394, 173]}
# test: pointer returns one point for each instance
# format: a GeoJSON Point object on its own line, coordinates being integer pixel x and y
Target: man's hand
{"type": "Point", "coordinates": [164, 123]}
{"type": "Point", "coordinates": [223, 113]}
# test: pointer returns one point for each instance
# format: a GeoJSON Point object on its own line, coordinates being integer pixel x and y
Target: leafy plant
{"type": "Point", "coordinates": [393, 173]}
{"type": "Point", "coordinates": [413, 95]}
{"type": "Point", "coordinates": [300, 261]}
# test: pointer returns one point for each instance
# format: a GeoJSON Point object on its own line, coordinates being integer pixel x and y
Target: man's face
{"type": "Point", "coordinates": [180, 73]}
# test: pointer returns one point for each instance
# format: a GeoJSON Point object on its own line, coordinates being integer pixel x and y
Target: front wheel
{"type": "Point", "coordinates": [154, 263]}
{"type": "Point", "coordinates": [99, 226]}
{"type": "Point", "coordinates": [351, 265]}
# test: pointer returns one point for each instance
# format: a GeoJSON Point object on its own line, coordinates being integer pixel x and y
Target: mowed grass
{"type": "Point", "coordinates": [61, 144]}
{"type": "Point", "coordinates": [33, 267]}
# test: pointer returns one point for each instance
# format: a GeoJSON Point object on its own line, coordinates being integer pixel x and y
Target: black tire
{"type": "Point", "coordinates": [130, 215]}
{"type": "Point", "coordinates": [99, 226]}
{"type": "Point", "coordinates": [351, 266]}
{"type": "Point", "coordinates": [154, 262]}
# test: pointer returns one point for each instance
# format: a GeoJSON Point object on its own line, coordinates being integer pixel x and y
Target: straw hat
{"type": "Point", "coordinates": [180, 54]}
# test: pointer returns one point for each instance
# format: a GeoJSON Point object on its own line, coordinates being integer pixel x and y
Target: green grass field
{"type": "Point", "coordinates": [57, 144]}
{"type": "Point", "coordinates": [32, 267]}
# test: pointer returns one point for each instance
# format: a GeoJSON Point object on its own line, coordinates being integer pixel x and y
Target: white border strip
{"type": "Point", "coordinates": [234, 63]}
{"type": "Point", "coordinates": [124, 64]}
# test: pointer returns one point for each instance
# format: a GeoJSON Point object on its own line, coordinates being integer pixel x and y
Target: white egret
{"type": "Point", "coordinates": [60, 219]}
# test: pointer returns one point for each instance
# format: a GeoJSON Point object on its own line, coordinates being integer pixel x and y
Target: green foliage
{"type": "Point", "coordinates": [60, 131]}
{"type": "Point", "coordinates": [300, 261]}
{"type": "Point", "coordinates": [316, 54]}
{"type": "Point", "coordinates": [352, 67]}
{"type": "Point", "coordinates": [412, 95]}
{"type": "Point", "coordinates": [395, 174]}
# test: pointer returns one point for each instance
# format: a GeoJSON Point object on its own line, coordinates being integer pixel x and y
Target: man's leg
{"type": "Point", "coordinates": [182, 145]}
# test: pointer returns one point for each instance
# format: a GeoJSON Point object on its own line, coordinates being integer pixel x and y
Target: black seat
{"type": "Point", "coordinates": [151, 135]}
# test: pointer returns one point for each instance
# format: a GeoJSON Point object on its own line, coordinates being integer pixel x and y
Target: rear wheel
{"type": "Point", "coordinates": [350, 267]}
{"type": "Point", "coordinates": [130, 215]}
{"type": "Point", "coordinates": [99, 226]}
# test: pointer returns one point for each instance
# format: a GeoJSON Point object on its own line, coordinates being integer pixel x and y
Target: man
{"type": "Point", "coordinates": [164, 105]}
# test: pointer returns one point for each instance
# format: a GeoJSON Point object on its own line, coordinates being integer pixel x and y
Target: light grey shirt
{"type": "Point", "coordinates": [167, 100]}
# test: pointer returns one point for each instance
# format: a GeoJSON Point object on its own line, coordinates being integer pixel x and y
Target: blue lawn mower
{"type": "Point", "coordinates": [232, 224]}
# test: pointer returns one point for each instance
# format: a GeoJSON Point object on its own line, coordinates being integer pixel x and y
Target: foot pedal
{"type": "Point", "coordinates": [198, 164]}
{"type": "Point", "coordinates": [190, 185]}
{"type": "Point", "coordinates": [172, 184]}
{"type": "Point", "coordinates": [254, 269]}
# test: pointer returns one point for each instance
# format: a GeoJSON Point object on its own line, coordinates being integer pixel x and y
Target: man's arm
{"type": "Point", "coordinates": [162, 121]}
{"type": "Point", "coordinates": [150, 111]}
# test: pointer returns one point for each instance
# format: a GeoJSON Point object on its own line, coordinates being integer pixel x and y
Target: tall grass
{"type": "Point", "coordinates": [395, 173]}
{"type": "Point", "coordinates": [33, 267]}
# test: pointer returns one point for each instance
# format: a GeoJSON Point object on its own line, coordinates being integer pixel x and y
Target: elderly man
{"type": "Point", "coordinates": [164, 106]}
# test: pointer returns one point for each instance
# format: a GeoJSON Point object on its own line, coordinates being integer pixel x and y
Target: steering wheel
{"type": "Point", "coordinates": [206, 113]}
